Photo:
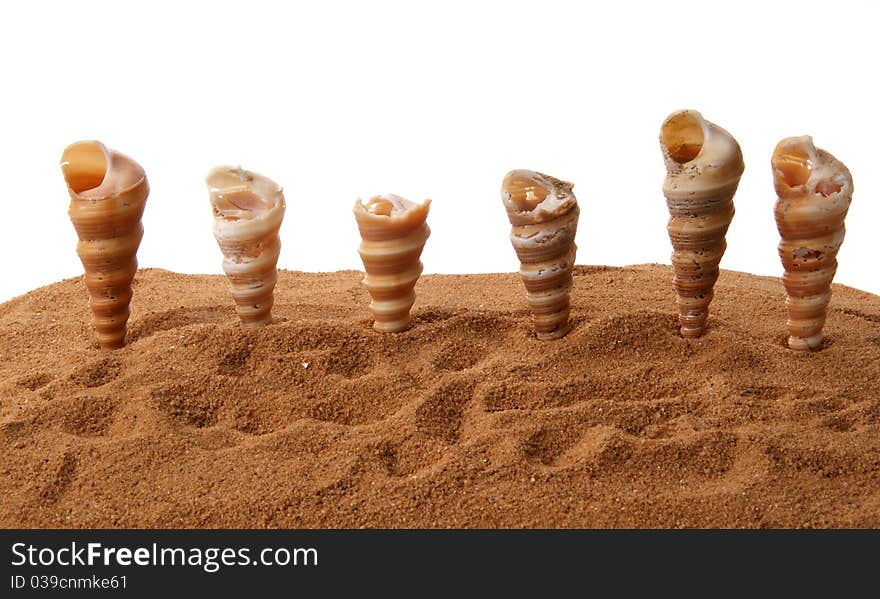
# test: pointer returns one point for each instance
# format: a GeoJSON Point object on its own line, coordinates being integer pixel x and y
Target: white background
{"type": "Point", "coordinates": [336, 100]}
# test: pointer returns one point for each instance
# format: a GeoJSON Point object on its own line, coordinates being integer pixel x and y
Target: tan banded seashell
{"type": "Point", "coordinates": [248, 210]}
{"type": "Point", "coordinates": [393, 233]}
{"type": "Point", "coordinates": [703, 167]}
{"type": "Point", "coordinates": [814, 191]}
{"type": "Point", "coordinates": [543, 215]}
{"type": "Point", "coordinates": [108, 193]}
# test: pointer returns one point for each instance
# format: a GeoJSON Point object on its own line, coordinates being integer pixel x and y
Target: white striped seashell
{"type": "Point", "coordinates": [703, 167]}
{"type": "Point", "coordinates": [393, 233]}
{"type": "Point", "coordinates": [814, 191]}
{"type": "Point", "coordinates": [108, 193]}
{"type": "Point", "coordinates": [248, 210]}
{"type": "Point", "coordinates": [543, 215]}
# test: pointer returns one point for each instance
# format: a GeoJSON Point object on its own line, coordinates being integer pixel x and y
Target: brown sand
{"type": "Point", "coordinates": [466, 420]}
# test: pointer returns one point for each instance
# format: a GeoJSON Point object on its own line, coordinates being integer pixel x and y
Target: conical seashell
{"type": "Point", "coordinates": [814, 191]}
{"type": "Point", "coordinates": [108, 192]}
{"type": "Point", "coordinates": [543, 214]}
{"type": "Point", "coordinates": [393, 233]}
{"type": "Point", "coordinates": [248, 209]}
{"type": "Point", "coordinates": [703, 167]}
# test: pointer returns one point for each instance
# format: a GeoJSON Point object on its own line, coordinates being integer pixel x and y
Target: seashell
{"type": "Point", "coordinates": [703, 167]}
{"type": "Point", "coordinates": [543, 214]}
{"type": "Point", "coordinates": [814, 191]}
{"type": "Point", "coordinates": [248, 209]}
{"type": "Point", "coordinates": [393, 234]}
{"type": "Point", "coordinates": [108, 192]}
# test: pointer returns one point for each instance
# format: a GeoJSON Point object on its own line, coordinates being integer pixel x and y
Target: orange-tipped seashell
{"type": "Point", "coordinates": [248, 209]}
{"type": "Point", "coordinates": [393, 233]}
{"type": "Point", "coordinates": [814, 191]}
{"type": "Point", "coordinates": [703, 167]}
{"type": "Point", "coordinates": [108, 192]}
{"type": "Point", "coordinates": [543, 214]}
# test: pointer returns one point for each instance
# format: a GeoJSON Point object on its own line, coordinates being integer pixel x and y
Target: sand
{"type": "Point", "coordinates": [466, 420]}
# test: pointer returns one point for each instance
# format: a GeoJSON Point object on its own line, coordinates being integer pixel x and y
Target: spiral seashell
{"type": "Point", "coordinates": [393, 234]}
{"type": "Point", "coordinates": [248, 209]}
{"type": "Point", "coordinates": [543, 214]}
{"type": "Point", "coordinates": [814, 191]}
{"type": "Point", "coordinates": [108, 192]}
{"type": "Point", "coordinates": [703, 167]}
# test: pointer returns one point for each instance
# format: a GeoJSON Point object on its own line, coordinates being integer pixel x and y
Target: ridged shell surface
{"type": "Point", "coordinates": [108, 193]}
{"type": "Point", "coordinates": [543, 214]}
{"type": "Point", "coordinates": [703, 167]}
{"type": "Point", "coordinates": [393, 233]}
{"type": "Point", "coordinates": [814, 191]}
{"type": "Point", "coordinates": [248, 210]}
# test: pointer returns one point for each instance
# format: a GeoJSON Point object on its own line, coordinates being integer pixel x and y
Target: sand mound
{"type": "Point", "coordinates": [466, 420]}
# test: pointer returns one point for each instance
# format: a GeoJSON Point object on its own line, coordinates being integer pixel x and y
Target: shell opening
{"type": "Point", "coordinates": [525, 193]}
{"type": "Point", "coordinates": [683, 137]}
{"type": "Point", "coordinates": [829, 186]}
{"type": "Point", "coordinates": [387, 205]}
{"type": "Point", "coordinates": [238, 205]}
{"type": "Point", "coordinates": [237, 194]}
{"type": "Point", "coordinates": [379, 206]}
{"type": "Point", "coordinates": [85, 165]}
{"type": "Point", "coordinates": [794, 167]}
